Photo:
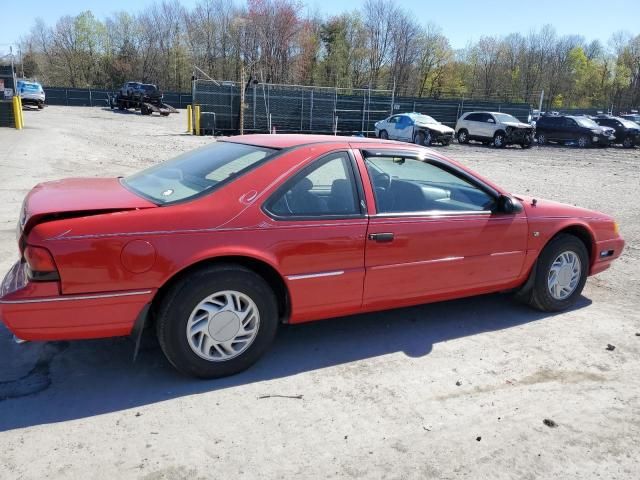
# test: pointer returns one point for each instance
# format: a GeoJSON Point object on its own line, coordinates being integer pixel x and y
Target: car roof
{"type": "Point", "coordinates": [289, 140]}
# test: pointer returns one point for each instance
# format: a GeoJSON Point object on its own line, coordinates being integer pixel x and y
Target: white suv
{"type": "Point", "coordinates": [493, 128]}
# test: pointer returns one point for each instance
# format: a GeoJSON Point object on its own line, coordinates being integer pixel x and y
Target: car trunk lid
{"type": "Point", "coordinates": [77, 197]}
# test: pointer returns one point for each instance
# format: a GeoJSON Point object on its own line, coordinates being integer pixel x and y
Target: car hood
{"type": "Point", "coordinates": [77, 197]}
{"type": "Point", "coordinates": [517, 124]}
{"type": "Point", "coordinates": [438, 127]}
{"type": "Point", "coordinates": [540, 207]}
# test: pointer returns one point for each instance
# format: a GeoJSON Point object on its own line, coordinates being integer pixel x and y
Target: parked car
{"type": "Point", "coordinates": [493, 128]}
{"type": "Point", "coordinates": [145, 97]}
{"type": "Point", "coordinates": [634, 117]}
{"type": "Point", "coordinates": [217, 247]}
{"type": "Point", "coordinates": [147, 92]}
{"type": "Point", "coordinates": [128, 88]}
{"type": "Point", "coordinates": [572, 129]}
{"type": "Point", "coordinates": [627, 133]}
{"type": "Point", "coordinates": [414, 127]}
{"type": "Point", "coordinates": [31, 93]}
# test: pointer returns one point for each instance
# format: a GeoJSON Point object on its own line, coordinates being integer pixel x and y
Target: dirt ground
{"type": "Point", "coordinates": [453, 390]}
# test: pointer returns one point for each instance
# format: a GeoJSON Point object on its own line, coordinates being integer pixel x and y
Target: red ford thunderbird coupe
{"type": "Point", "coordinates": [220, 245]}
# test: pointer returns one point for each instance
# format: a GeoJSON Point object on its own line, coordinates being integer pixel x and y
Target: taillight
{"type": "Point", "coordinates": [40, 263]}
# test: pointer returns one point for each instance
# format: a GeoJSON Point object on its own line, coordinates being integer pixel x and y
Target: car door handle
{"type": "Point", "coordinates": [381, 237]}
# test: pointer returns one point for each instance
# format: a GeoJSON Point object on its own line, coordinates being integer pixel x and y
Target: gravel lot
{"type": "Point", "coordinates": [452, 390]}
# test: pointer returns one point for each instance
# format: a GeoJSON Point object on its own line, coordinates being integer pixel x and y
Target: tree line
{"type": "Point", "coordinates": [380, 46]}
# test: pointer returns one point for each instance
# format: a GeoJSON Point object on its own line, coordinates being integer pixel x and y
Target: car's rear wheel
{"type": "Point", "coordinates": [217, 321]}
{"type": "Point", "coordinates": [561, 273]}
{"type": "Point", "coordinates": [384, 135]}
{"type": "Point", "coordinates": [498, 140]}
{"type": "Point", "coordinates": [463, 136]}
{"type": "Point", "coordinates": [583, 141]}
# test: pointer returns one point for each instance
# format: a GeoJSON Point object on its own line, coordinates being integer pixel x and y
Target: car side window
{"type": "Point", "coordinates": [569, 122]}
{"type": "Point", "coordinates": [404, 122]}
{"type": "Point", "coordinates": [488, 118]}
{"type": "Point", "coordinates": [474, 117]}
{"type": "Point", "coordinates": [404, 185]}
{"type": "Point", "coordinates": [325, 188]}
{"type": "Point", "coordinates": [393, 120]}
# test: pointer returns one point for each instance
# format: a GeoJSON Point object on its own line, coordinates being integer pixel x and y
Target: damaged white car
{"type": "Point", "coordinates": [414, 127]}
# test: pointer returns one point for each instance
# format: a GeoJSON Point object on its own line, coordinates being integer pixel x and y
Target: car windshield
{"type": "Point", "coordinates": [423, 119]}
{"type": "Point", "coordinates": [586, 122]}
{"type": "Point", "coordinates": [504, 117]}
{"type": "Point", "coordinates": [195, 172]}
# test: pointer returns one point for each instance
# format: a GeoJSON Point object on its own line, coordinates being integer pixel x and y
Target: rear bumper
{"type": "Point", "coordinates": [606, 252]}
{"type": "Point", "coordinates": [37, 311]}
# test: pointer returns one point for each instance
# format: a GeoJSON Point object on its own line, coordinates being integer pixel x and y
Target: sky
{"type": "Point", "coordinates": [462, 21]}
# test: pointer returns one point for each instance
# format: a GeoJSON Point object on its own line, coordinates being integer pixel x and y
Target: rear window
{"type": "Point", "coordinates": [196, 172]}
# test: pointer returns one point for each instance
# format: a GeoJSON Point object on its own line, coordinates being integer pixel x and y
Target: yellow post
{"type": "Point", "coordinates": [189, 123]}
{"type": "Point", "coordinates": [197, 107]}
{"type": "Point", "coordinates": [21, 112]}
{"type": "Point", "coordinates": [16, 113]}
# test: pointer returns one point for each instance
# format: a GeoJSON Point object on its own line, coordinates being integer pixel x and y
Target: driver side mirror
{"type": "Point", "coordinates": [491, 120]}
{"type": "Point", "coordinates": [507, 204]}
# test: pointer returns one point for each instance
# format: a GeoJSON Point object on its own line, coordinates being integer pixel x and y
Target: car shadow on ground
{"type": "Point", "coordinates": [51, 382]}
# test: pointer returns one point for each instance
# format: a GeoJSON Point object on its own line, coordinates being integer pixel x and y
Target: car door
{"type": "Point", "coordinates": [318, 232]}
{"type": "Point", "coordinates": [571, 131]}
{"type": "Point", "coordinates": [435, 233]}
{"type": "Point", "coordinates": [391, 127]}
{"type": "Point", "coordinates": [404, 128]}
{"type": "Point", "coordinates": [488, 125]}
{"type": "Point", "coordinates": [472, 123]}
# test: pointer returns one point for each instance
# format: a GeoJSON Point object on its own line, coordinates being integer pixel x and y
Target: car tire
{"type": "Point", "coordinates": [40, 105]}
{"type": "Point", "coordinates": [463, 136]}
{"type": "Point", "coordinates": [446, 143]}
{"type": "Point", "coordinates": [558, 279]}
{"type": "Point", "coordinates": [542, 139]}
{"type": "Point", "coordinates": [584, 142]}
{"type": "Point", "coordinates": [423, 139]}
{"type": "Point", "coordinates": [384, 135]}
{"type": "Point", "coordinates": [627, 142]}
{"type": "Point", "coordinates": [200, 353]}
{"type": "Point", "coordinates": [499, 140]}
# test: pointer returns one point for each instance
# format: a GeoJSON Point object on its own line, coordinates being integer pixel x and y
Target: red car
{"type": "Point", "coordinates": [218, 246]}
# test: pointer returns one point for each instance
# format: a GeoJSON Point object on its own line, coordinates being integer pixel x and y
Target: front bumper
{"type": "Point", "coordinates": [519, 135]}
{"type": "Point", "coordinates": [442, 137]}
{"type": "Point", "coordinates": [606, 252]}
{"type": "Point", "coordinates": [38, 311]}
{"type": "Point", "coordinates": [603, 139]}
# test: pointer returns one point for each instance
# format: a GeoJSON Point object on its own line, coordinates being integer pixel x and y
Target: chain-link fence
{"type": "Point", "coordinates": [325, 110]}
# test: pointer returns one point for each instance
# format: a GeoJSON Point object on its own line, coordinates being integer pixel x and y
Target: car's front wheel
{"type": "Point", "coordinates": [499, 140]}
{"type": "Point", "coordinates": [627, 142]}
{"type": "Point", "coordinates": [463, 136]}
{"type": "Point", "coordinates": [561, 273]}
{"type": "Point", "coordinates": [384, 135]}
{"type": "Point", "coordinates": [217, 321]}
{"type": "Point", "coordinates": [542, 139]}
{"type": "Point", "coordinates": [583, 141]}
{"type": "Point", "coordinates": [423, 138]}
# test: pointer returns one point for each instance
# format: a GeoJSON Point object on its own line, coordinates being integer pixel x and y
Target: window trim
{"type": "Point", "coordinates": [447, 167]}
{"type": "Point", "coordinates": [352, 173]}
